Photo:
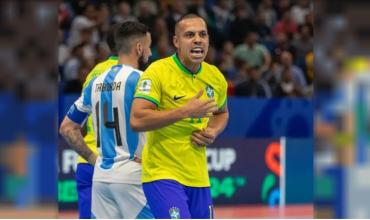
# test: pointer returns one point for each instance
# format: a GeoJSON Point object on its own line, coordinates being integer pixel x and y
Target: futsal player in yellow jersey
{"type": "Point", "coordinates": [84, 172]}
{"type": "Point", "coordinates": [181, 101]}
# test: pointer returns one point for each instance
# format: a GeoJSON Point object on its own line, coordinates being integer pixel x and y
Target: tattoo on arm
{"type": "Point", "coordinates": [74, 138]}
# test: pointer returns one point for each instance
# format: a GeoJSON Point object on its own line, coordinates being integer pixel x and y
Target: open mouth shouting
{"type": "Point", "coordinates": [197, 52]}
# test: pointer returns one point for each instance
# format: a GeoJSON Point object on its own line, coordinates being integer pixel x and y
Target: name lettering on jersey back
{"type": "Point", "coordinates": [103, 87]}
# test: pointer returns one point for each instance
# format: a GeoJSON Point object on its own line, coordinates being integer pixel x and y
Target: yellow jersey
{"type": "Point", "coordinates": [169, 153]}
{"type": "Point", "coordinates": [96, 71]}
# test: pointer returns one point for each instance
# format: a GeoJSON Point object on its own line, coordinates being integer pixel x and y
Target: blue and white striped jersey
{"type": "Point", "coordinates": [109, 98]}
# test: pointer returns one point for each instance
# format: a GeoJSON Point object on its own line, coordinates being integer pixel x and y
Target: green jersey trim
{"type": "Point", "coordinates": [113, 58]}
{"type": "Point", "coordinates": [148, 98]}
{"type": "Point", "coordinates": [223, 104]}
{"type": "Point", "coordinates": [183, 68]}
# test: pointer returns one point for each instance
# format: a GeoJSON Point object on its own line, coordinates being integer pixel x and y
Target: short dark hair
{"type": "Point", "coordinates": [188, 16]}
{"type": "Point", "coordinates": [126, 33]}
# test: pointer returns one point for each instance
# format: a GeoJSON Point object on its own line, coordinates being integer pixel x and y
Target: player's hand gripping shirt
{"type": "Point", "coordinates": [108, 98]}
{"type": "Point", "coordinates": [98, 69]}
{"type": "Point", "coordinates": [169, 153]}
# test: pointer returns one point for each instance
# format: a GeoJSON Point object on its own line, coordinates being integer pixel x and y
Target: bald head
{"type": "Point", "coordinates": [186, 17]}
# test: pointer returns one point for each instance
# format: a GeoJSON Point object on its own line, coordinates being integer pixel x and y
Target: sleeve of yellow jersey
{"type": "Point", "coordinates": [221, 102]}
{"type": "Point", "coordinates": [149, 86]}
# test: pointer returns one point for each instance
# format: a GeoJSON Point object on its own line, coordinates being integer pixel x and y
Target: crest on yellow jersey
{"type": "Point", "coordinates": [210, 92]}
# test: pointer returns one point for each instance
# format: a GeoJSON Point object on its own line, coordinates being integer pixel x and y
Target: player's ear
{"type": "Point", "coordinates": [175, 41]}
{"type": "Point", "coordinates": [139, 48]}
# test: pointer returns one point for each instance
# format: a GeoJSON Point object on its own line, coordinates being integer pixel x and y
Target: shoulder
{"type": "Point", "coordinates": [131, 70]}
{"type": "Point", "coordinates": [104, 65]}
{"type": "Point", "coordinates": [158, 66]}
{"type": "Point", "coordinates": [98, 70]}
{"type": "Point", "coordinates": [213, 70]}
{"type": "Point", "coordinates": [161, 62]}
{"type": "Point", "coordinates": [133, 76]}
{"type": "Point", "coordinates": [214, 76]}
{"type": "Point", "coordinates": [99, 66]}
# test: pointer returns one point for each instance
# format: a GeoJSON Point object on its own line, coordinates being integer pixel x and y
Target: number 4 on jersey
{"type": "Point", "coordinates": [108, 124]}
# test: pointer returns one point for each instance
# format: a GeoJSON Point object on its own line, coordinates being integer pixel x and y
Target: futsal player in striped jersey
{"type": "Point", "coordinates": [117, 190]}
{"type": "Point", "coordinates": [84, 172]}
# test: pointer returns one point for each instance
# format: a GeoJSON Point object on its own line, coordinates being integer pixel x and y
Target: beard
{"type": "Point", "coordinates": [142, 63]}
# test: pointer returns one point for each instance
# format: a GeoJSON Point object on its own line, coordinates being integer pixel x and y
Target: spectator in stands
{"type": "Point", "coordinates": [221, 20]}
{"type": "Point", "coordinates": [239, 73]}
{"type": "Point", "coordinates": [81, 22]}
{"type": "Point", "coordinates": [123, 13]}
{"type": "Point", "coordinates": [262, 28]}
{"type": "Point", "coordinates": [146, 13]}
{"type": "Point", "coordinates": [280, 44]}
{"type": "Point", "coordinates": [254, 85]}
{"type": "Point", "coordinates": [242, 19]}
{"type": "Point", "coordinates": [177, 9]}
{"type": "Point", "coordinates": [287, 86]}
{"type": "Point", "coordinates": [303, 44]}
{"type": "Point", "coordinates": [281, 7]}
{"type": "Point", "coordinates": [286, 63]}
{"type": "Point", "coordinates": [253, 53]}
{"type": "Point", "coordinates": [300, 10]}
{"type": "Point", "coordinates": [286, 25]}
{"type": "Point", "coordinates": [72, 68]}
{"type": "Point", "coordinates": [227, 57]}
{"type": "Point", "coordinates": [266, 9]}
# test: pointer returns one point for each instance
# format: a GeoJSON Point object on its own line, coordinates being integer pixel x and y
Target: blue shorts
{"type": "Point", "coordinates": [170, 199]}
{"type": "Point", "coordinates": [84, 175]}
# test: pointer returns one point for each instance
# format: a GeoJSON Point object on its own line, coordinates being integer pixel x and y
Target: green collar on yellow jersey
{"type": "Point", "coordinates": [183, 67]}
{"type": "Point", "coordinates": [113, 57]}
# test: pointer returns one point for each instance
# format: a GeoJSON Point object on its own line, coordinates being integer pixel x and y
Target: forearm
{"type": "Point", "coordinates": [146, 117]}
{"type": "Point", "coordinates": [216, 125]}
{"type": "Point", "coordinates": [149, 119]}
{"type": "Point", "coordinates": [218, 122]}
{"type": "Point", "coordinates": [73, 136]}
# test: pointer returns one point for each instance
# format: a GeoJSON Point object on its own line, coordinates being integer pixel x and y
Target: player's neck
{"type": "Point", "coordinates": [193, 67]}
{"type": "Point", "coordinates": [128, 60]}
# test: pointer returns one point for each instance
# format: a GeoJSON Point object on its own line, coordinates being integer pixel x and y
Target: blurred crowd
{"type": "Point", "coordinates": [263, 47]}
{"type": "Point", "coordinates": [28, 30]}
